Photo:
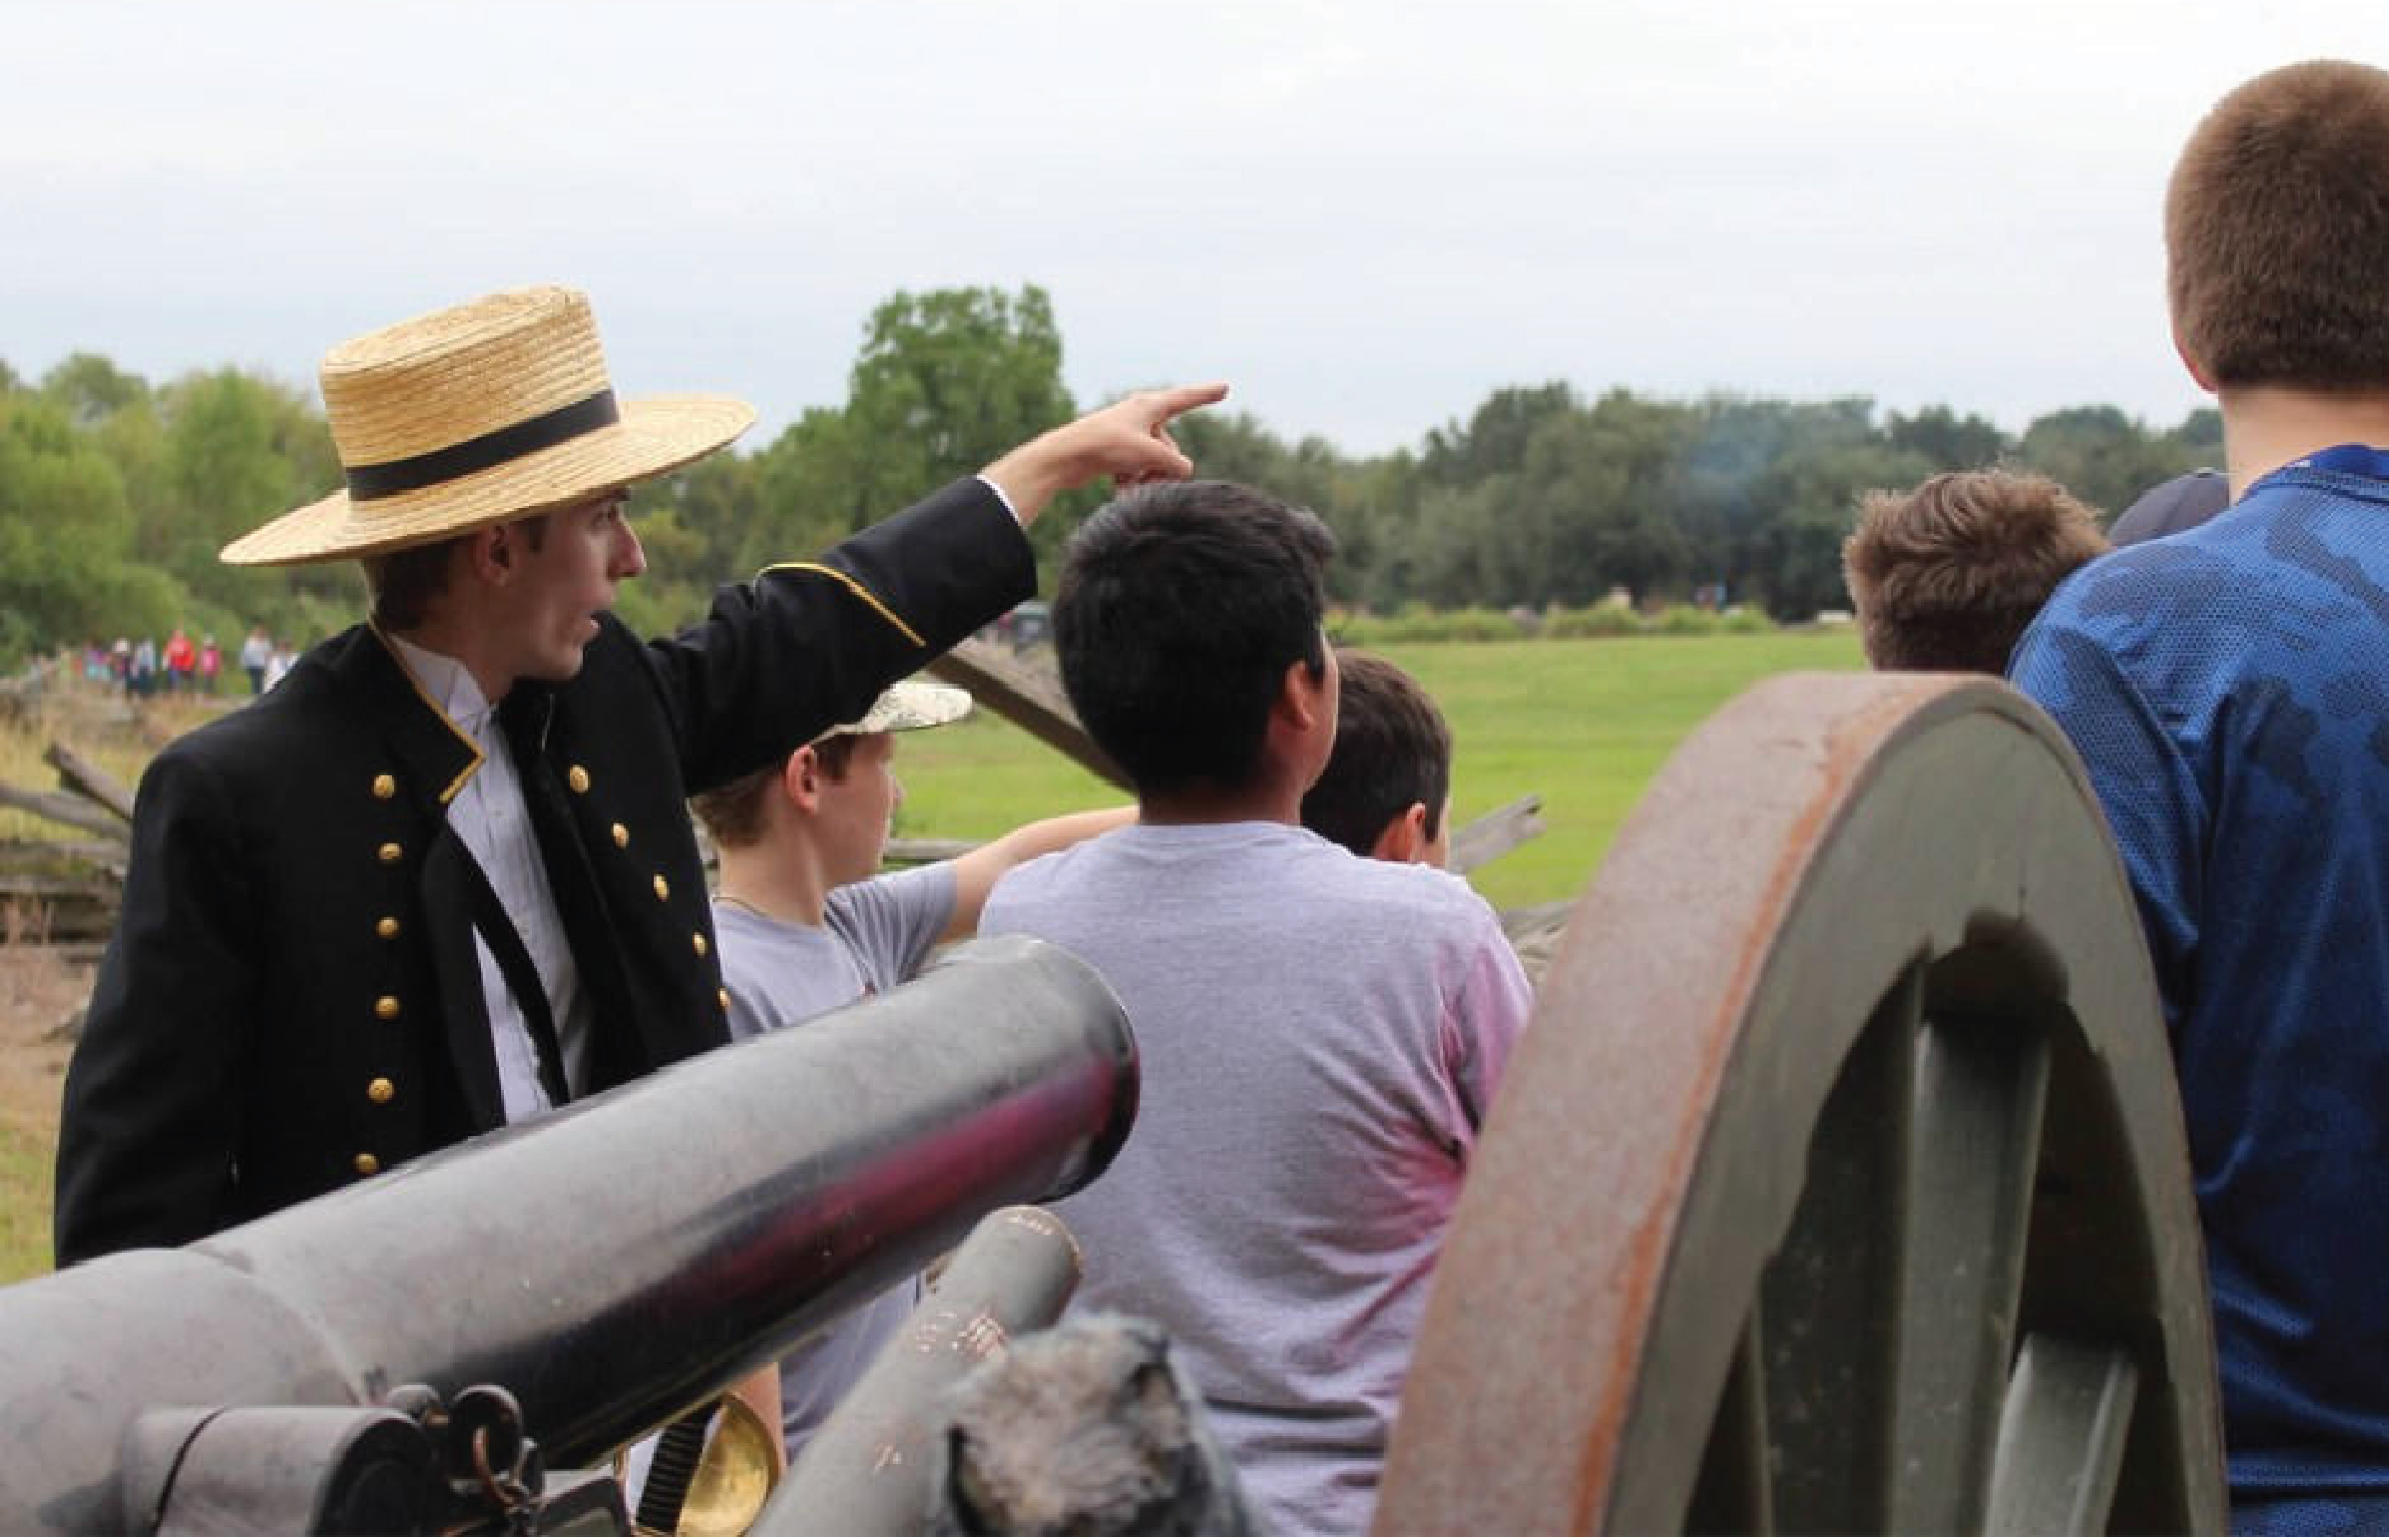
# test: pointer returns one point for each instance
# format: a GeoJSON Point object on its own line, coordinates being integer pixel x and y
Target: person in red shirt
{"type": "Point", "coordinates": [182, 661]}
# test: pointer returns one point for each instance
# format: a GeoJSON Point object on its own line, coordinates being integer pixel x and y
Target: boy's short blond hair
{"type": "Point", "coordinates": [1949, 575]}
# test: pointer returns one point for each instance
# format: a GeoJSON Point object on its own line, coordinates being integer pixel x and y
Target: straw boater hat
{"type": "Point", "coordinates": [487, 412]}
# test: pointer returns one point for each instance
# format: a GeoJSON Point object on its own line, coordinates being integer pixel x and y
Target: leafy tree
{"type": "Point", "coordinates": [91, 388]}
{"type": "Point", "coordinates": [1948, 441]}
{"type": "Point", "coordinates": [66, 571]}
{"type": "Point", "coordinates": [1495, 439]}
{"type": "Point", "coordinates": [948, 381]}
{"type": "Point", "coordinates": [2102, 456]}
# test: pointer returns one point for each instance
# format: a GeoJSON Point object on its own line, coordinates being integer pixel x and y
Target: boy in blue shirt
{"type": "Point", "coordinates": [2228, 691]}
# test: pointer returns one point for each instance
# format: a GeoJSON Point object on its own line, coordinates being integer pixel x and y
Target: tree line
{"type": "Point", "coordinates": [116, 494]}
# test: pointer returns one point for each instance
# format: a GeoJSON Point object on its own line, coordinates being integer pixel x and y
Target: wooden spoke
{"type": "Point", "coordinates": [1980, 1086]}
{"type": "Point", "coordinates": [1833, 1292]}
{"type": "Point", "coordinates": [2062, 1438]}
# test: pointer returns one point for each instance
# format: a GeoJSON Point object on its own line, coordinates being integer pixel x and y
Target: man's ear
{"type": "Point", "coordinates": [1302, 695]}
{"type": "Point", "coordinates": [800, 778]}
{"type": "Point", "coordinates": [493, 555]}
{"type": "Point", "coordinates": [1403, 836]}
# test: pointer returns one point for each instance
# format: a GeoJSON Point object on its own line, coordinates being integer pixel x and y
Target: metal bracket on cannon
{"type": "Point", "coordinates": [414, 1466]}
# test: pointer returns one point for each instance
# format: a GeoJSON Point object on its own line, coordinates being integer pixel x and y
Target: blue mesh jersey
{"type": "Point", "coordinates": [2228, 688]}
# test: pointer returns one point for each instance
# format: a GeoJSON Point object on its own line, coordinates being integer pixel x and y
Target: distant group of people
{"type": "Point", "coordinates": [478, 896]}
{"type": "Point", "coordinates": [180, 666]}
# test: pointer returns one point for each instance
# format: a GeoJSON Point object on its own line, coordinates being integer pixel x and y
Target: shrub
{"type": "Point", "coordinates": [1593, 620]}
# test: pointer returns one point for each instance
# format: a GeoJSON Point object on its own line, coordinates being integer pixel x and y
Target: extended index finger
{"type": "Point", "coordinates": [1162, 406]}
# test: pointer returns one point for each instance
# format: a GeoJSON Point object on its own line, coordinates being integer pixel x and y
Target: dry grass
{"type": "Point", "coordinates": [39, 989]}
{"type": "Point", "coordinates": [117, 735]}
{"type": "Point", "coordinates": [42, 986]}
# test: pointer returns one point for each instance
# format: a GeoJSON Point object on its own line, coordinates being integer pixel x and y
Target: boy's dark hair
{"type": "Point", "coordinates": [733, 813]}
{"type": "Point", "coordinates": [1949, 575]}
{"type": "Point", "coordinates": [2277, 232]}
{"type": "Point", "coordinates": [1392, 748]}
{"type": "Point", "coordinates": [1180, 608]}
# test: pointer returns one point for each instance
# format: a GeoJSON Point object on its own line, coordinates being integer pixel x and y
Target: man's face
{"type": "Point", "coordinates": [859, 809]}
{"type": "Point", "coordinates": [587, 551]}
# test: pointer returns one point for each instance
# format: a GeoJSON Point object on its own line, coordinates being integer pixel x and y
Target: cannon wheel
{"type": "Point", "coordinates": [1840, 1184]}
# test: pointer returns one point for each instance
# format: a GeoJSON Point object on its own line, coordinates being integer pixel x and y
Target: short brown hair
{"type": "Point", "coordinates": [1949, 575]}
{"type": "Point", "coordinates": [733, 813]}
{"type": "Point", "coordinates": [403, 582]}
{"type": "Point", "coordinates": [1392, 748]}
{"type": "Point", "coordinates": [2277, 232]}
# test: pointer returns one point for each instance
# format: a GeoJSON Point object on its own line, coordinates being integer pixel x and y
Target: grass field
{"type": "Point", "coordinates": [1583, 724]}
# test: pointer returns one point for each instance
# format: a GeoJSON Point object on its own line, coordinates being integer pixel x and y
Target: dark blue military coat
{"type": "Point", "coordinates": [292, 998]}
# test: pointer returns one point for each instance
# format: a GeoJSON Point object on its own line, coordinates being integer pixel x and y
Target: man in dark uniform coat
{"type": "Point", "coordinates": [442, 876]}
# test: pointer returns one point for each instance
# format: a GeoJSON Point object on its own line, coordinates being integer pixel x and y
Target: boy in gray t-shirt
{"type": "Point", "coordinates": [806, 928]}
{"type": "Point", "coordinates": [1319, 1034]}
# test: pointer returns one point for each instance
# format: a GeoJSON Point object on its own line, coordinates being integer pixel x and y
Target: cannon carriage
{"type": "Point", "coordinates": [1840, 1185]}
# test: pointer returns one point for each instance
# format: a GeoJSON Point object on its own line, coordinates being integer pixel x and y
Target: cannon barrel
{"type": "Point", "coordinates": [611, 1265]}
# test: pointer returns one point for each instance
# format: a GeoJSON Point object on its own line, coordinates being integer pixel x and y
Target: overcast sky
{"type": "Point", "coordinates": [1363, 216]}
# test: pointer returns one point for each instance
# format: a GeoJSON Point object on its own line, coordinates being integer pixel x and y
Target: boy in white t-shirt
{"type": "Point", "coordinates": [805, 927]}
{"type": "Point", "coordinates": [1319, 1034]}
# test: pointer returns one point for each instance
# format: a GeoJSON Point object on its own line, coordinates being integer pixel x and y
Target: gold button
{"type": "Point", "coordinates": [663, 888]}
{"type": "Point", "coordinates": [367, 1165]}
{"type": "Point", "coordinates": [384, 786]}
{"type": "Point", "coordinates": [386, 926]}
{"type": "Point", "coordinates": [698, 942]}
{"type": "Point", "coordinates": [723, 994]}
{"type": "Point", "coordinates": [577, 778]}
{"type": "Point", "coordinates": [378, 1091]}
{"type": "Point", "coordinates": [390, 853]}
{"type": "Point", "coordinates": [387, 1008]}
{"type": "Point", "coordinates": [622, 837]}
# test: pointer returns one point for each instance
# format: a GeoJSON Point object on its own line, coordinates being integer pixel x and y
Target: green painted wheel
{"type": "Point", "coordinates": [1840, 1185]}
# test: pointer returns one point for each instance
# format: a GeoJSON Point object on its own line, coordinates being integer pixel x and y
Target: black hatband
{"type": "Point", "coordinates": [528, 436]}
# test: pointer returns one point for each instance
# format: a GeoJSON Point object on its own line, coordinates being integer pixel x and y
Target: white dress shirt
{"type": "Point", "coordinates": [490, 816]}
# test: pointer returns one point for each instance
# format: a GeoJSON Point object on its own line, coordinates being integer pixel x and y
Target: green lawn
{"type": "Point", "coordinates": [1584, 723]}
